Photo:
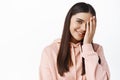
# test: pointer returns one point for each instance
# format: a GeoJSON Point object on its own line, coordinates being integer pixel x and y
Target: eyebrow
{"type": "Point", "coordinates": [80, 19]}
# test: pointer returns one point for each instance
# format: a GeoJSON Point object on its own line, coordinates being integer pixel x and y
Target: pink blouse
{"type": "Point", "coordinates": [94, 70]}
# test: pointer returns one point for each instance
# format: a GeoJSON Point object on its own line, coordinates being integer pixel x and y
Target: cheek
{"type": "Point", "coordinates": [72, 28]}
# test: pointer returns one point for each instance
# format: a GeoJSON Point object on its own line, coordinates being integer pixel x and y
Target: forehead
{"type": "Point", "coordinates": [84, 16]}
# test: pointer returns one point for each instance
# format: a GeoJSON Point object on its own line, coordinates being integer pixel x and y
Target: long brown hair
{"type": "Point", "coordinates": [64, 60]}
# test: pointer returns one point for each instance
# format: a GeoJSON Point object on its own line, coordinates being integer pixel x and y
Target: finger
{"type": "Point", "coordinates": [88, 27]}
{"type": "Point", "coordinates": [94, 23]}
{"type": "Point", "coordinates": [85, 25]}
{"type": "Point", "coordinates": [91, 25]}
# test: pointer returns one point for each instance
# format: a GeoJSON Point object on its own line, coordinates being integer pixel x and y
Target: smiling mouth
{"type": "Point", "coordinates": [81, 34]}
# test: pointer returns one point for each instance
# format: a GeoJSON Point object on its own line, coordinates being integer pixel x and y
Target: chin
{"type": "Point", "coordinates": [79, 40]}
{"type": "Point", "coordinates": [76, 39]}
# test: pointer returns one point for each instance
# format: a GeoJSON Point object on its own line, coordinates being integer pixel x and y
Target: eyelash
{"type": "Point", "coordinates": [80, 22]}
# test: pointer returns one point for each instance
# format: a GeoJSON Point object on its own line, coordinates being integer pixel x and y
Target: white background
{"type": "Point", "coordinates": [27, 26]}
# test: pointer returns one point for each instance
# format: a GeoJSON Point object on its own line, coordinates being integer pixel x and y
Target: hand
{"type": "Point", "coordinates": [90, 30]}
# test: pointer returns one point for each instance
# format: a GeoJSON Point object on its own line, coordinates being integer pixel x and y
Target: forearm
{"type": "Point", "coordinates": [94, 70]}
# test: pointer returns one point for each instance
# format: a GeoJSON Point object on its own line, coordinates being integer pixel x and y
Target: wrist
{"type": "Point", "coordinates": [86, 42]}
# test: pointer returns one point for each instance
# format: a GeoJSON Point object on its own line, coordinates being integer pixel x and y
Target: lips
{"type": "Point", "coordinates": [82, 34]}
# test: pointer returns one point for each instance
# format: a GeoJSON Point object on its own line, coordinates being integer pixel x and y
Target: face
{"type": "Point", "coordinates": [78, 26]}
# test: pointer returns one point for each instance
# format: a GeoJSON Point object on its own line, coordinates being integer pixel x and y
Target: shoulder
{"type": "Point", "coordinates": [49, 53]}
{"type": "Point", "coordinates": [99, 49]}
{"type": "Point", "coordinates": [55, 44]}
{"type": "Point", "coordinates": [52, 49]}
{"type": "Point", "coordinates": [97, 46]}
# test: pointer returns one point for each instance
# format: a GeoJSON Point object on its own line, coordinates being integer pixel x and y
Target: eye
{"type": "Point", "coordinates": [79, 21]}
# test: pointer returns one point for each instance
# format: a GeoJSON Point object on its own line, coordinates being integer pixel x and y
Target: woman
{"type": "Point", "coordinates": [75, 56]}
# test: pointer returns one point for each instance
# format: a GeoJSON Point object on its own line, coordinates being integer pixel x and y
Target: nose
{"type": "Point", "coordinates": [83, 27]}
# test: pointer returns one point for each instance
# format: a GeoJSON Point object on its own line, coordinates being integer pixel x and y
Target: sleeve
{"type": "Point", "coordinates": [94, 70]}
{"type": "Point", "coordinates": [44, 71]}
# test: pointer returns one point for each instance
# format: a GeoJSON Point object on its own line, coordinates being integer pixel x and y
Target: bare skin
{"type": "Point", "coordinates": [82, 27]}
